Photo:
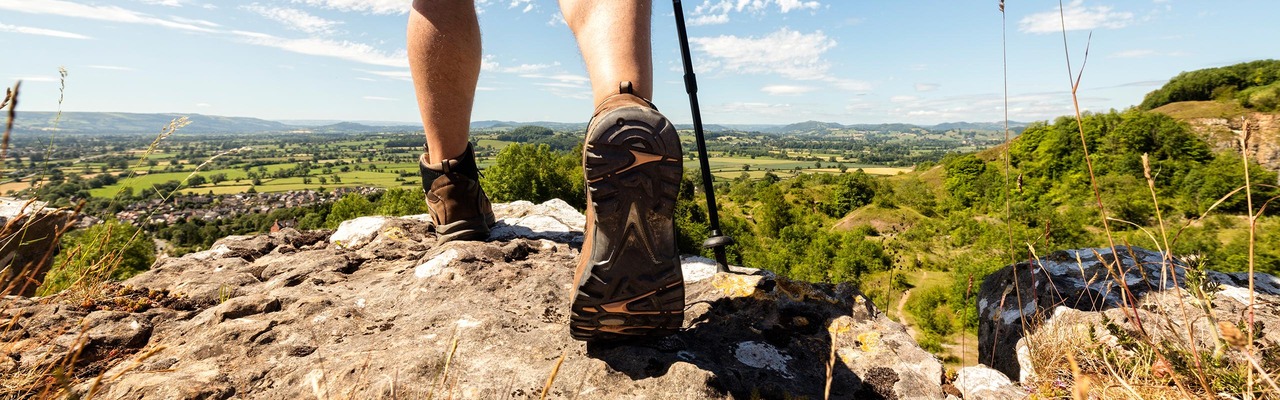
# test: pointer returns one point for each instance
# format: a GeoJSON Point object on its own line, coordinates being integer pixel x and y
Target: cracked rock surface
{"type": "Point", "coordinates": [1086, 290]}
{"type": "Point", "coordinates": [376, 310]}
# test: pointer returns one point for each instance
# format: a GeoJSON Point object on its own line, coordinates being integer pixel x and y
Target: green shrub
{"type": "Point", "coordinates": [110, 250]}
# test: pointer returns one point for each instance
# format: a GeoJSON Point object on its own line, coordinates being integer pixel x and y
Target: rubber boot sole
{"type": "Point", "coordinates": [631, 282]}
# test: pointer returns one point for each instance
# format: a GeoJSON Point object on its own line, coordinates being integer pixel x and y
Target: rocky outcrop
{"type": "Point", "coordinates": [29, 234]}
{"type": "Point", "coordinates": [1098, 292]}
{"type": "Point", "coordinates": [374, 310]}
{"type": "Point", "coordinates": [1264, 137]}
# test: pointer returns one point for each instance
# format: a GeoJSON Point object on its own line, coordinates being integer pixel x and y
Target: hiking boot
{"type": "Point", "coordinates": [459, 208]}
{"type": "Point", "coordinates": [628, 280]}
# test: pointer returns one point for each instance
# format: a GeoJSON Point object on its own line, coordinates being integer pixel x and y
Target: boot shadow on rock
{"type": "Point", "coordinates": [760, 336]}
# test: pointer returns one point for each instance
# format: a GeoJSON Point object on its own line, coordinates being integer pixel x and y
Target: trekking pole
{"type": "Point", "coordinates": [717, 241]}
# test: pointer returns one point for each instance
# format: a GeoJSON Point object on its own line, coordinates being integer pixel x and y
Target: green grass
{"type": "Point", "coordinates": [494, 143]}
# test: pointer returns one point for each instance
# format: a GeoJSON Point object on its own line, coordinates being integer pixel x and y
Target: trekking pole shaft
{"type": "Point", "coordinates": [691, 87]}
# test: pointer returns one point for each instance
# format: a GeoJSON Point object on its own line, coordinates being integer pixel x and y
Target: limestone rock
{"type": "Point", "coordinates": [28, 231]}
{"type": "Point", "coordinates": [1072, 290]}
{"type": "Point", "coordinates": [980, 382]}
{"type": "Point", "coordinates": [388, 313]}
{"type": "Point", "coordinates": [1264, 142]}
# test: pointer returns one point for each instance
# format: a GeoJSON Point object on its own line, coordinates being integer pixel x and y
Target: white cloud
{"type": "Point", "coordinates": [378, 98]}
{"type": "Point", "coordinates": [557, 19]}
{"type": "Point", "coordinates": [526, 4]}
{"type": "Point", "coordinates": [110, 67]}
{"type": "Point", "coordinates": [927, 87]}
{"type": "Point", "coordinates": [403, 74]}
{"type": "Point", "coordinates": [192, 21]}
{"type": "Point", "coordinates": [204, 105]}
{"type": "Point", "coordinates": [757, 109]}
{"type": "Point", "coordinates": [488, 63]}
{"type": "Point", "coordinates": [709, 19]}
{"type": "Point", "coordinates": [168, 3]}
{"type": "Point", "coordinates": [101, 13]}
{"type": "Point", "coordinates": [1076, 17]}
{"type": "Point", "coordinates": [986, 107]}
{"type": "Point", "coordinates": [1143, 53]}
{"type": "Point", "coordinates": [363, 6]}
{"type": "Point", "coordinates": [346, 50]}
{"type": "Point", "coordinates": [787, 90]}
{"type": "Point", "coordinates": [712, 12]}
{"type": "Point", "coordinates": [41, 32]}
{"type": "Point", "coordinates": [848, 84]}
{"type": "Point", "coordinates": [294, 18]}
{"type": "Point", "coordinates": [785, 52]}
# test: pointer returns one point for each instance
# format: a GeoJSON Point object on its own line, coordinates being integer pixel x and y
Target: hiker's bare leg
{"type": "Point", "coordinates": [444, 58]}
{"type": "Point", "coordinates": [614, 38]}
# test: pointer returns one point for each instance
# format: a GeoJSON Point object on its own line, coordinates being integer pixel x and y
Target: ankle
{"type": "Point", "coordinates": [464, 164]}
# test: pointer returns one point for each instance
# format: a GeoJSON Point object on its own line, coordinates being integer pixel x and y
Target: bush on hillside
{"type": "Point", "coordinates": [1212, 83]}
{"type": "Point", "coordinates": [536, 173]}
{"type": "Point", "coordinates": [110, 250]}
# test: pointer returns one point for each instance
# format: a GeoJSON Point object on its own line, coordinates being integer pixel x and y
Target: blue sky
{"type": "Point", "coordinates": [758, 61]}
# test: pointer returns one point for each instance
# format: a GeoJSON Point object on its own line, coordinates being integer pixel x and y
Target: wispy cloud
{"type": "Point", "coordinates": [403, 74]}
{"type": "Point", "coordinates": [1076, 17]}
{"type": "Point", "coordinates": [193, 21]}
{"type": "Point", "coordinates": [784, 52]}
{"type": "Point", "coordinates": [557, 19]}
{"type": "Point", "coordinates": [490, 63]}
{"type": "Point", "coordinates": [101, 13]}
{"type": "Point", "coordinates": [1144, 53]}
{"type": "Point", "coordinates": [787, 90]}
{"type": "Point", "coordinates": [756, 109]}
{"type": "Point", "coordinates": [41, 32]}
{"type": "Point", "coordinates": [523, 5]}
{"type": "Point", "coordinates": [110, 67]}
{"type": "Point", "coordinates": [570, 86]}
{"type": "Point", "coordinates": [712, 12]}
{"type": "Point", "coordinates": [927, 87]}
{"type": "Point", "coordinates": [362, 6]}
{"type": "Point", "coordinates": [341, 49]}
{"type": "Point", "coordinates": [984, 107]}
{"type": "Point", "coordinates": [294, 18]}
{"type": "Point", "coordinates": [168, 3]}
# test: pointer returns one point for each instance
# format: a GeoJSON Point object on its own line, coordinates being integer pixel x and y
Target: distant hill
{"type": "Point", "coordinates": [1255, 84]}
{"type": "Point", "coordinates": [501, 125]}
{"type": "Point", "coordinates": [979, 126]}
{"type": "Point", "coordinates": [133, 123]}
{"type": "Point", "coordinates": [352, 127]}
{"type": "Point", "coordinates": [137, 123]}
{"type": "Point", "coordinates": [807, 127]}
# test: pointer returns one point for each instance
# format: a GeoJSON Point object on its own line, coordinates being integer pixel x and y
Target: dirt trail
{"type": "Point", "coordinates": [902, 313]}
{"type": "Point", "coordinates": [964, 347]}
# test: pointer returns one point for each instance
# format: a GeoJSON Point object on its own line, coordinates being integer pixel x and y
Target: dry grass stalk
{"type": "Point", "coordinates": [831, 366]}
{"type": "Point", "coordinates": [444, 373]}
{"type": "Point", "coordinates": [552, 378]}
{"type": "Point", "coordinates": [10, 99]}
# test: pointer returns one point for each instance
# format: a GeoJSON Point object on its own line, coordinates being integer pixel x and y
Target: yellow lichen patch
{"type": "Point", "coordinates": [735, 285]}
{"type": "Point", "coordinates": [869, 340]}
{"type": "Point", "coordinates": [840, 325]}
{"type": "Point", "coordinates": [393, 233]}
